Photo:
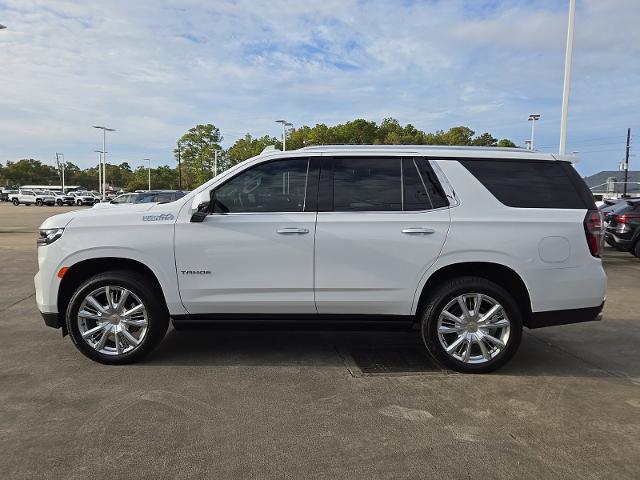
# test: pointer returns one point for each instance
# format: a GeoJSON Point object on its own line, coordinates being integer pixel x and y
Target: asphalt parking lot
{"type": "Point", "coordinates": [279, 404]}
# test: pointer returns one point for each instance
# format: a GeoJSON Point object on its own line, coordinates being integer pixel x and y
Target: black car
{"type": "Point", "coordinates": [623, 227]}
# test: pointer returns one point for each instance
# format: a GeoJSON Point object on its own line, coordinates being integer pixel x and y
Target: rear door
{"type": "Point", "coordinates": [382, 221]}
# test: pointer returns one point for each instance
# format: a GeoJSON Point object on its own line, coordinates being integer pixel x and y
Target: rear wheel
{"type": "Point", "coordinates": [115, 318]}
{"type": "Point", "coordinates": [636, 248]}
{"type": "Point", "coordinates": [471, 325]}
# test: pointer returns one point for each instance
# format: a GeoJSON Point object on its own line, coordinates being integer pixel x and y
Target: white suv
{"type": "Point", "coordinates": [470, 244]}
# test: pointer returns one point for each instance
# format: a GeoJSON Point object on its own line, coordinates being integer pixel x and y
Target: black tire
{"type": "Point", "coordinates": [614, 245]}
{"type": "Point", "coordinates": [636, 248]}
{"type": "Point", "coordinates": [39, 202]}
{"type": "Point", "coordinates": [79, 203]}
{"type": "Point", "coordinates": [449, 291]}
{"type": "Point", "coordinates": [142, 287]}
{"type": "Point", "coordinates": [59, 203]}
{"type": "Point", "coordinates": [15, 201]}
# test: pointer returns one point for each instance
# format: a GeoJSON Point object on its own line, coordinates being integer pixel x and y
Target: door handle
{"type": "Point", "coordinates": [418, 231]}
{"type": "Point", "coordinates": [292, 231]}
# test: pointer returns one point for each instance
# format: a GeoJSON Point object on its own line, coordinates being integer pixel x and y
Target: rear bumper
{"type": "Point", "coordinates": [564, 317]}
{"type": "Point", "coordinates": [618, 241]}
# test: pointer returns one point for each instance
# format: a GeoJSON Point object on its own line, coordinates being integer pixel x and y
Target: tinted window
{"type": "Point", "coordinates": [422, 190]}
{"type": "Point", "coordinates": [277, 186]}
{"type": "Point", "coordinates": [146, 198]}
{"type": "Point", "coordinates": [529, 184]}
{"type": "Point", "coordinates": [372, 184]}
{"type": "Point", "coordinates": [164, 197]}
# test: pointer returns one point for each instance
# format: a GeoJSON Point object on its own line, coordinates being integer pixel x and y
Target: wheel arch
{"type": "Point", "coordinates": [500, 274]}
{"type": "Point", "coordinates": [85, 269]}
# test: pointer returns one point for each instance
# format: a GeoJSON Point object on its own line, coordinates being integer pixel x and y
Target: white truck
{"type": "Point", "coordinates": [31, 197]}
{"type": "Point", "coordinates": [468, 244]}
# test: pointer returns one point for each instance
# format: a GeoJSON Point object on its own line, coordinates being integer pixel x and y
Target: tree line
{"type": "Point", "coordinates": [195, 153]}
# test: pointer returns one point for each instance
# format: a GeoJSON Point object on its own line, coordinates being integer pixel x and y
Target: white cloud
{"type": "Point", "coordinates": [154, 69]}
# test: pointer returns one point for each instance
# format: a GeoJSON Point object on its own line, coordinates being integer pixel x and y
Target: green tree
{"type": "Point", "coordinates": [247, 147]}
{"type": "Point", "coordinates": [505, 142]}
{"type": "Point", "coordinates": [197, 153]}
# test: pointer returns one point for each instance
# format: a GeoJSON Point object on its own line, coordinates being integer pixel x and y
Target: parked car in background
{"type": "Point", "coordinates": [623, 227]}
{"type": "Point", "coordinates": [61, 198]}
{"type": "Point", "coordinates": [4, 194]}
{"type": "Point", "coordinates": [30, 197]}
{"type": "Point", "coordinates": [151, 196]}
{"type": "Point", "coordinates": [82, 197]}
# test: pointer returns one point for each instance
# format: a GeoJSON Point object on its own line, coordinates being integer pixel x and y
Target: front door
{"type": "Point", "coordinates": [257, 256]}
{"type": "Point", "coordinates": [382, 223]}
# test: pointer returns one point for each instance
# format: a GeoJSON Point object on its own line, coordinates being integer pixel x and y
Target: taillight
{"type": "Point", "coordinates": [593, 231]}
{"type": "Point", "coordinates": [625, 218]}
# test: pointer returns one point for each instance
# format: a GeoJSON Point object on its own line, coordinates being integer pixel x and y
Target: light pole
{"type": "Point", "coordinates": [285, 124]}
{"type": "Point", "coordinates": [533, 118]}
{"type": "Point", "coordinates": [567, 78]}
{"type": "Point", "coordinates": [61, 167]}
{"type": "Point", "coordinates": [148, 160]}
{"type": "Point", "coordinates": [104, 158]}
{"type": "Point", "coordinates": [215, 162]}
{"type": "Point", "coordinates": [99, 152]}
{"type": "Point", "coordinates": [179, 167]}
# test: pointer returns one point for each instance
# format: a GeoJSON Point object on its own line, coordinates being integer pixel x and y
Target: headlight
{"type": "Point", "coordinates": [49, 235]}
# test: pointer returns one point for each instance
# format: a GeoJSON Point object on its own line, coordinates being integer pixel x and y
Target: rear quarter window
{"type": "Point", "coordinates": [532, 184]}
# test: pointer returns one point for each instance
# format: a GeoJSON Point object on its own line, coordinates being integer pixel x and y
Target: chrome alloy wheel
{"type": "Point", "coordinates": [112, 320]}
{"type": "Point", "coordinates": [473, 328]}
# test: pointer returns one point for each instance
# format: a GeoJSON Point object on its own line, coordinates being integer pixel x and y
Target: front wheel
{"type": "Point", "coordinates": [79, 203]}
{"type": "Point", "coordinates": [636, 249]}
{"type": "Point", "coordinates": [39, 202]}
{"type": "Point", "coordinates": [15, 201]}
{"type": "Point", "coordinates": [471, 325]}
{"type": "Point", "coordinates": [115, 317]}
{"type": "Point", "coordinates": [59, 203]}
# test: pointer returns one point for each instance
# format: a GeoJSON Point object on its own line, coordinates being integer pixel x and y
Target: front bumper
{"type": "Point", "coordinates": [564, 317]}
{"type": "Point", "coordinates": [52, 319]}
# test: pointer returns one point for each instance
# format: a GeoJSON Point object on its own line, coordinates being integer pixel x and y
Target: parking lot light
{"type": "Point", "coordinates": [148, 160]}
{"type": "Point", "coordinates": [104, 157]}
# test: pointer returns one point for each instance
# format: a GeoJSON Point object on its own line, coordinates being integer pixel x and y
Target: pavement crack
{"type": "Point", "coordinates": [32, 294]}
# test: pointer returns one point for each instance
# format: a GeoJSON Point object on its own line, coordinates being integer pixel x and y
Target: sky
{"type": "Point", "coordinates": [153, 69]}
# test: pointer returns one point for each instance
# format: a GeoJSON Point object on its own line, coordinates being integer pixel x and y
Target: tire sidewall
{"type": "Point", "coordinates": [157, 316]}
{"type": "Point", "coordinates": [429, 322]}
{"type": "Point", "coordinates": [16, 202]}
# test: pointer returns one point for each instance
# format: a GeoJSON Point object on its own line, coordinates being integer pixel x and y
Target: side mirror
{"type": "Point", "coordinates": [199, 216]}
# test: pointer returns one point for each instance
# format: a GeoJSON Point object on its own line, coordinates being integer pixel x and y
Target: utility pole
{"type": "Point", "coordinates": [626, 162]}
{"type": "Point", "coordinates": [567, 78]}
{"type": "Point", "coordinates": [61, 167]}
{"type": "Point", "coordinates": [179, 168]}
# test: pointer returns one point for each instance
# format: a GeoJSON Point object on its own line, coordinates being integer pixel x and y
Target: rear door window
{"type": "Point", "coordinates": [532, 183]}
{"type": "Point", "coordinates": [421, 189]}
{"type": "Point", "coordinates": [367, 184]}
